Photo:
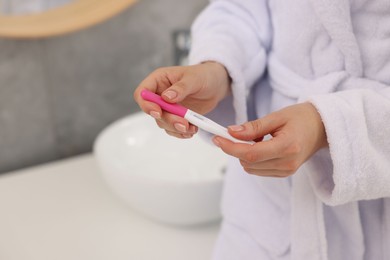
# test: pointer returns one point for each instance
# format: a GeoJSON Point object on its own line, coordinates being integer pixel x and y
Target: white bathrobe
{"type": "Point", "coordinates": [335, 54]}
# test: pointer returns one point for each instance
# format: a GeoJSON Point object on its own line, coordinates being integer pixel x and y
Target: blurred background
{"type": "Point", "coordinates": [68, 69]}
{"type": "Point", "coordinates": [57, 93]}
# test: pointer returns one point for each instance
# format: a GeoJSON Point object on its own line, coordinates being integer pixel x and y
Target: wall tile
{"type": "Point", "coordinates": [26, 134]}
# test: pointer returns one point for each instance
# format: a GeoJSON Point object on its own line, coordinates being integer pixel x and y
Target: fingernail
{"type": "Point", "coordinates": [180, 127]}
{"type": "Point", "coordinates": [216, 141]}
{"type": "Point", "coordinates": [236, 128]}
{"type": "Point", "coordinates": [187, 135]}
{"type": "Point", "coordinates": [170, 94]}
{"type": "Point", "coordinates": [155, 114]}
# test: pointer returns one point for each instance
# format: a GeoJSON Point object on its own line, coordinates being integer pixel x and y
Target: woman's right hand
{"type": "Point", "coordinates": [197, 87]}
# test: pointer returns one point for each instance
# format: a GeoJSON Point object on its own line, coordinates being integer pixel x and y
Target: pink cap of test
{"type": "Point", "coordinates": [175, 109]}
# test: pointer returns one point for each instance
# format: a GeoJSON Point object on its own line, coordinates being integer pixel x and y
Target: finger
{"type": "Point", "coordinates": [149, 83]}
{"type": "Point", "coordinates": [234, 149]}
{"type": "Point", "coordinates": [180, 90]}
{"type": "Point", "coordinates": [173, 123]}
{"type": "Point", "coordinates": [285, 165]}
{"type": "Point", "coordinates": [268, 173]}
{"type": "Point", "coordinates": [152, 109]}
{"type": "Point", "coordinates": [258, 152]}
{"type": "Point", "coordinates": [155, 82]}
{"type": "Point", "coordinates": [193, 129]}
{"type": "Point", "coordinates": [258, 128]}
{"type": "Point", "coordinates": [178, 135]}
{"type": "Point", "coordinates": [148, 107]}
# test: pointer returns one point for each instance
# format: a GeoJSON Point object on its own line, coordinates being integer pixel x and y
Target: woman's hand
{"type": "Point", "coordinates": [297, 133]}
{"type": "Point", "coordinates": [198, 87]}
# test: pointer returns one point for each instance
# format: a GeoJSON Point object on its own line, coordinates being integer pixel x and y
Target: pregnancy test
{"type": "Point", "coordinates": [194, 118]}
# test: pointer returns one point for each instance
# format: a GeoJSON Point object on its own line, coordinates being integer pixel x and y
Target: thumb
{"type": "Point", "coordinates": [178, 91]}
{"type": "Point", "coordinates": [257, 129]}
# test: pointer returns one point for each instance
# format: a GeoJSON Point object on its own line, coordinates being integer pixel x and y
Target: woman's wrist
{"type": "Point", "coordinates": [222, 77]}
{"type": "Point", "coordinates": [319, 126]}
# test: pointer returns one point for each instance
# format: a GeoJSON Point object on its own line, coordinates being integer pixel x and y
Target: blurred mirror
{"type": "Point", "coordinates": [23, 7]}
{"type": "Point", "coordinates": [45, 18]}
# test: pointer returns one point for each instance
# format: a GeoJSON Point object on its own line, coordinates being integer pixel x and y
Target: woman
{"type": "Point", "coordinates": [309, 80]}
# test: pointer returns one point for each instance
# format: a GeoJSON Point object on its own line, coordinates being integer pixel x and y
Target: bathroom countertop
{"type": "Point", "coordinates": [63, 210]}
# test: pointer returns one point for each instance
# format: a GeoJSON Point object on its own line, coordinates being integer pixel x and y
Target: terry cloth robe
{"type": "Point", "coordinates": [336, 55]}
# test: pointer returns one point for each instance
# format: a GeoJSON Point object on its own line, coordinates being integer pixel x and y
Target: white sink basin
{"type": "Point", "coordinates": [171, 180]}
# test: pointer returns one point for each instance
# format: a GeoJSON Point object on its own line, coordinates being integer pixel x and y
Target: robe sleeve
{"type": "Point", "coordinates": [357, 124]}
{"type": "Point", "coordinates": [236, 34]}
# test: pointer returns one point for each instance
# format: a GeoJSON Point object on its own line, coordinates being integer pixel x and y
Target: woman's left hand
{"type": "Point", "coordinates": [297, 133]}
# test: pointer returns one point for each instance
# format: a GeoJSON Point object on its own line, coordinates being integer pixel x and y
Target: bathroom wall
{"type": "Point", "coordinates": [57, 94]}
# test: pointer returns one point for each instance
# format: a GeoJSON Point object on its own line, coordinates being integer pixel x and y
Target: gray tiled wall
{"type": "Point", "coordinates": [57, 94]}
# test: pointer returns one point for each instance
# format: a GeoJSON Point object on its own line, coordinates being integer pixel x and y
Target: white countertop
{"type": "Point", "coordinates": [64, 211]}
